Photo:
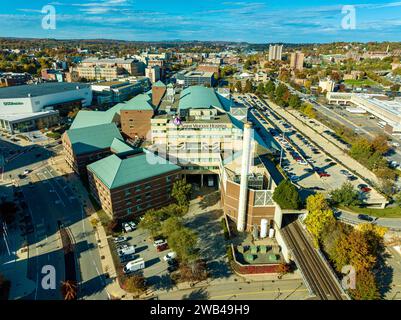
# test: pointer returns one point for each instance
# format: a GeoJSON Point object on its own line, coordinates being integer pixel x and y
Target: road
{"type": "Point", "coordinates": [244, 290]}
{"type": "Point", "coordinates": [50, 199]}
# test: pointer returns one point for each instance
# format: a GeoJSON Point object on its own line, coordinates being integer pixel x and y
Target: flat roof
{"type": "Point", "coordinates": [27, 116]}
{"type": "Point", "coordinates": [40, 89]}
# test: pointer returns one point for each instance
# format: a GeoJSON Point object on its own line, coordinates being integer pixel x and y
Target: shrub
{"type": "Point", "coordinates": [287, 196]}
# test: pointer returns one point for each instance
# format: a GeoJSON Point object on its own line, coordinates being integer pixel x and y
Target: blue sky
{"type": "Point", "coordinates": [258, 21]}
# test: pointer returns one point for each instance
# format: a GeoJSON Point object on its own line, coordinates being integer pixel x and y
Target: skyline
{"type": "Point", "coordinates": [243, 21]}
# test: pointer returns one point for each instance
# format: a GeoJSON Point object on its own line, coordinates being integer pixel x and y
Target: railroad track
{"type": "Point", "coordinates": [318, 276]}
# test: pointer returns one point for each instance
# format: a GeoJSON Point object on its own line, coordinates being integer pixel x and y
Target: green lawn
{"type": "Point", "coordinates": [392, 212]}
{"type": "Point", "coordinates": [361, 83]}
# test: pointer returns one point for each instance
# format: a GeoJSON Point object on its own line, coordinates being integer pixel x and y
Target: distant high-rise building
{"type": "Point", "coordinates": [153, 73]}
{"type": "Point", "coordinates": [275, 52]}
{"type": "Point", "coordinates": [297, 60]}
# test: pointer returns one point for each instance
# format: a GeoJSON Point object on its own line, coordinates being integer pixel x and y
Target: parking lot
{"type": "Point", "coordinates": [305, 162]}
{"type": "Point", "coordinates": [155, 270]}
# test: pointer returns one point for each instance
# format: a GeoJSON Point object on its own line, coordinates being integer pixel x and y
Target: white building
{"type": "Point", "coordinates": [23, 106]}
{"type": "Point", "coordinates": [327, 85]}
{"type": "Point", "coordinates": [378, 105]}
{"type": "Point", "coordinates": [153, 73]}
{"type": "Point", "coordinates": [275, 52]}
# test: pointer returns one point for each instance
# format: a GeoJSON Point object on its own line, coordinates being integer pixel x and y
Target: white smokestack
{"type": "Point", "coordinates": [243, 194]}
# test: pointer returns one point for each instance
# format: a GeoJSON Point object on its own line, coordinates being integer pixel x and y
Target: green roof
{"type": "Point", "coordinates": [94, 138]}
{"type": "Point", "coordinates": [93, 118]}
{"type": "Point", "coordinates": [199, 97]}
{"type": "Point", "coordinates": [120, 147]}
{"type": "Point", "coordinates": [159, 84]}
{"type": "Point", "coordinates": [140, 102]}
{"type": "Point", "coordinates": [115, 172]}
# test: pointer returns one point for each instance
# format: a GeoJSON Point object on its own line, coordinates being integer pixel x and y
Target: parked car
{"type": "Point", "coordinates": [159, 242]}
{"type": "Point", "coordinates": [127, 257]}
{"type": "Point", "coordinates": [27, 171]}
{"type": "Point", "coordinates": [120, 239]}
{"type": "Point", "coordinates": [170, 256]}
{"type": "Point", "coordinates": [294, 178]}
{"type": "Point", "coordinates": [324, 175]}
{"type": "Point", "coordinates": [162, 247]}
{"type": "Point", "coordinates": [365, 217]}
{"type": "Point", "coordinates": [126, 227]}
{"type": "Point", "coordinates": [172, 268]}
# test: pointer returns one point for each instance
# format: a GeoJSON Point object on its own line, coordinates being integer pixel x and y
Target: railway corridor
{"type": "Point", "coordinates": [319, 277]}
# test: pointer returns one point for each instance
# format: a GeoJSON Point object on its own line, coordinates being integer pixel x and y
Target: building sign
{"type": "Point", "coordinates": [13, 103]}
{"type": "Point", "coordinates": [203, 126]}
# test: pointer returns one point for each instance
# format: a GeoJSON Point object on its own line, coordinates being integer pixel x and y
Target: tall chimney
{"type": "Point", "coordinates": [243, 193]}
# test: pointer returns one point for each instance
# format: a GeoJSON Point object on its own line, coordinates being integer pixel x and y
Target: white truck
{"type": "Point", "coordinates": [134, 265]}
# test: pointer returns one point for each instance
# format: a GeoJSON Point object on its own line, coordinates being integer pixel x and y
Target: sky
{"type": "Point", "coordinates": [258, 21]}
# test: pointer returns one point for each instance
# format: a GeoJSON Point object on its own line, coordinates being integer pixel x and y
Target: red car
{"type": "Point", "coordinates": [366, 189]}
{"type": "Point", "coordinates": [324, 174]}
{"type": "Point", "coordinates": [162, 247]}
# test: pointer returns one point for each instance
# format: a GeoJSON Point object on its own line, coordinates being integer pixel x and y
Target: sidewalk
{"type": "Point", "coordinates": [15, 266]}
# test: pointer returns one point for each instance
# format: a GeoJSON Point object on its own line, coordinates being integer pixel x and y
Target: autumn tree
{"type": "Point", "coordinates": [135, 284]}
{"type": "Point", "coordinates": [365, 286]}
{"type": "Point", "coordinates": [181, 191]}
{"type": "Point", "coordinates": [69, 290]}
{"type": "Point", "coordinates": [319, 216]}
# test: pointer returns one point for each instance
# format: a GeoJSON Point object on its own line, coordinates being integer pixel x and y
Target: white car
{"type": "Point", "coordinates": [302, 162]}
{"type": "Point", "coordinates": [127, 227]}
{"type": "Point", "coordinates": [27, 171]}
{"type": "Point", "coordinates": [170, 256]}
{"type": "Point", "coordinates": [159, 242]}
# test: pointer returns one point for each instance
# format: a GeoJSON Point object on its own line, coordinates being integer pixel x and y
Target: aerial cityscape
{"type": "Point", "coordinates": [205, 152]}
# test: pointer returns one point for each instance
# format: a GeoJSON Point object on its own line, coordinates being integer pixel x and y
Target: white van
{"type": "Point", "coordinates": [134, 265]}
{"type": "Point", "coordinates": [126, 251]}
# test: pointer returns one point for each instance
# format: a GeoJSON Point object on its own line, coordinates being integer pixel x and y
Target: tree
{"type": "Point", "coordinates": [294, 102]}
{"type": "Point", "coordinates": [353, 249]}
{"type": "Point", "coordinates": [193, 271]}
{"type": "Point", "coordinates": [374, 235]}
{"type": "Point", "coordinates": [319, 216]}
{"type": "Point", "coordinates": [397, 199]}
{"type": "Point", "coordinates": [135, 284]}
{"type": "Point", "coordinates": [346, 195]}
{"type": "Point", "coordinates": [283, 269]}
{"type": "Point", "coordinates": [238, 87]}
{"type": "Point", "coordinates": [171, 225]}
{"type": "Point", "coordinates": [183, 241]}
{"type": "Point", "coordinates": [69, 290]}
{"type": "Point", "coordinates": [365, 286]}
{"type": "Point", "coordinates": [181, 191]}
{"type": "Point", "coordinates": [152, 222]}
{"type": "Point", "coordinates": [260, 89]}
{"type": "Point", "coordinates": [380, 144]}
{"type": "Point", "coordinates": [308, 110]}
{"type": "Point", "coordinates": [248, 86]}
{"type": "Point", "coordinates": [287, 196]}
{"type": "Point", "coordinates": [270, 88]}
